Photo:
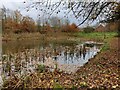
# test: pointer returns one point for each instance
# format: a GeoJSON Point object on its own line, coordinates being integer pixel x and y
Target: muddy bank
{"type": "Point", "coordinates": [102, 71]}
{"type": "Point", "coordinates": [34, 36]}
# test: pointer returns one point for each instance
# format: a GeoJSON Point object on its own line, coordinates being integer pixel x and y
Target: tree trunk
{"type": "Point", "coordinates": [118, 28]}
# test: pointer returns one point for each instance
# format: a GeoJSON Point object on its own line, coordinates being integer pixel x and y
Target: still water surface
{"type": "Point", "coordinates": [22, 57]}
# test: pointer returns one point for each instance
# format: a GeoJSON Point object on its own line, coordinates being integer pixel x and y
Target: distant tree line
{"type": "Point", "coordinates": [15, 22]}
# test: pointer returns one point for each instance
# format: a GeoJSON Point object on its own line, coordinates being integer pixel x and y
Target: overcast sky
{"type": "Point", "coordinates": [13, 4]}
{"type": "Point", "coordinates": [18, 4]}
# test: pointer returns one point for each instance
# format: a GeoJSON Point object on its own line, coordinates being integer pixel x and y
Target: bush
{"type": "Point", "coordinates": [88, 29]}
{"type": "Point", "coordinates": [70, 28]}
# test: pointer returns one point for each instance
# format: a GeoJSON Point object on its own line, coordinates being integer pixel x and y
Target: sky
{"type": "Point", "coordinates": [18, 4]}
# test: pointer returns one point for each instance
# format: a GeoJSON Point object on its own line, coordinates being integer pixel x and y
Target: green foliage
{"type": "Point", "coordinates": [41, 68]}
{"type": "Point", "coordinates": [88, 29]}
{"type": "Point", "coordinates": [57, 87]}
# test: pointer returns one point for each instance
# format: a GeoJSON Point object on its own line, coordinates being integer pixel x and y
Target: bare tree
{"type": "Point", "coordinates": [88, 11]}
{"type": "Point", "coordinates": [17, 16]}
{"type": "Point", "coordinates": [55, 21]}
{"type": "Point", "coordinates": [3, 17]}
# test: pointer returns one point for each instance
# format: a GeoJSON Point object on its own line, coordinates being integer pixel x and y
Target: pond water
{"type": "Point", "coordinates": [23, 58]}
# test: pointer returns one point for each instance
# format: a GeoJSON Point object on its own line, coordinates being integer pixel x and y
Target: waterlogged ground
{"type": "Point", "coordinates": [101, 72]}
{"type": "Point", "coordinates": [67, 57]}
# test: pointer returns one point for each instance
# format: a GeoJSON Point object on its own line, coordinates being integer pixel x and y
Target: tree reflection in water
{"type": "Point", "coordinates": [26, 61]}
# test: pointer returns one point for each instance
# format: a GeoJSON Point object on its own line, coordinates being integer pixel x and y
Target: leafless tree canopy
{"type": "Point", "coordinates": [82, 11]}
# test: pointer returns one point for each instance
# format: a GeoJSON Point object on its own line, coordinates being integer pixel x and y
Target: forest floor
{"type": "Point", "coordinates": [100, 72]}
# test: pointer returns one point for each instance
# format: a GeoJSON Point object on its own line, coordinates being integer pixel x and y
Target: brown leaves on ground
{"type": "Point", "coordinates": [100, 72]}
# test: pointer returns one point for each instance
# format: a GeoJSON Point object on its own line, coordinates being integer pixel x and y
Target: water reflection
{"type": "Point", "coordinates": [26, 60]}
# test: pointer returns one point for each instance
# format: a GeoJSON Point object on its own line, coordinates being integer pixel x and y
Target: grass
{"type": "Point", "coordinates": [55, 38]}
{"type": "Point", "coordinates": [105, 47]}
{"type": "Point", "coordinates": [96, 36]}
{"type": "Point", "coordinates": [60, 36]}
{"type": "Point", "coordinates": [104, 37]}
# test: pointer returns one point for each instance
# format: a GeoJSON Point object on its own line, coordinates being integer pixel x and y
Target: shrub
{"type": "Point", "coordinates": [88, 29]}
{"type": "Point", "coordinates": [70, 28]}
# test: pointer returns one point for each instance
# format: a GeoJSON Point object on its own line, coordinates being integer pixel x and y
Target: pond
{"type": "Point", "coordinates": [23, 58]}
